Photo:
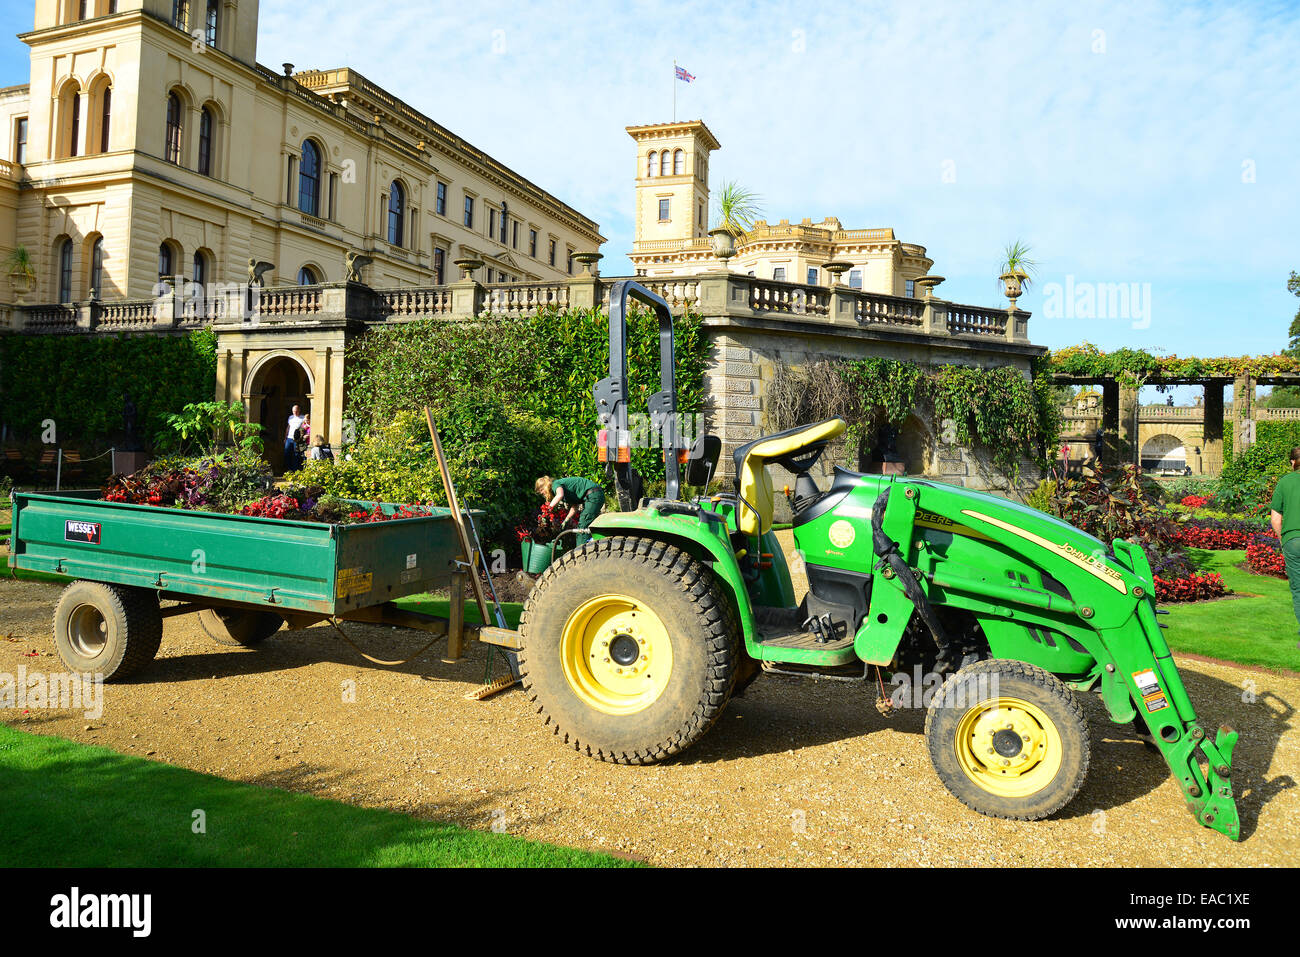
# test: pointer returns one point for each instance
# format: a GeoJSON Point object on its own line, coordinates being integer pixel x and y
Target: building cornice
{"type": "Point", "coordinates": [663, 130]}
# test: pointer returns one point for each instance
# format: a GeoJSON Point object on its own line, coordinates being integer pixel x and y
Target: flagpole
{"type": "Point", "coordinates": [674, 90]}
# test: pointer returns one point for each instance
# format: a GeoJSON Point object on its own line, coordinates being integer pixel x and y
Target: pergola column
{"type": "Point", "coordinates": [1110, 454]}
{"type": "Point", "coordinates": [1128, 428]}
{"type": "Point", "coordinates": [1212, 447]}
{"type": "Point", "coordinates": [1243, 413]}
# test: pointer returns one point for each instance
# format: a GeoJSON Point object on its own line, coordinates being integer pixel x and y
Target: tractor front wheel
{"type": "Point", "coordinates": [1008, 740]}
{"type": "Point", "coordinates": [630, 649]}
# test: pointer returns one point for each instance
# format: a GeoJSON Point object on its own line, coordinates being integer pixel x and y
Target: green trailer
{"type": "Point", "coordinates": [244, 576]}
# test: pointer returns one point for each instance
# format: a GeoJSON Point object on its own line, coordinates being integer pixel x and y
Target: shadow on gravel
{"type": "Point", "coordinates": [794, 714]}
{"type": "Point", "coordinates": [287, 650]}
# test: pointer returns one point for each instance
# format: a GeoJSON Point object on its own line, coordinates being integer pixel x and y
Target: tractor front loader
{"type": "Point", "coordinates": [633, 644]}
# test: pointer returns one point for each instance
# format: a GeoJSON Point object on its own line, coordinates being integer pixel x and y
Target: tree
{"type": "Point", "coordinates": [1288, 396]}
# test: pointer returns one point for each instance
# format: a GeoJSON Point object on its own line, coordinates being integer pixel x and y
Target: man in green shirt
{"type": "Point", "coordinates": [583, 496]}
{"type": "Point", "coordinates": [1286, 526]}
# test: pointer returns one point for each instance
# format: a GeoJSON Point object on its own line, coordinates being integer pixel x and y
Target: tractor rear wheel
{"type": "Point", "coordinates": [1008, 739]}
{"type": "Point", "coordinates": [238, 626]}
{"type": "Point", "coordinates": [630, 649]}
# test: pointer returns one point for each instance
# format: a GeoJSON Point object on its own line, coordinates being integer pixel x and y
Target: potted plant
{"type": "Point", "coordinates": [1017, 270]}
{"type": "Point", "coordinates": [736, 211]}
{"type": "Point", "coordinates": [21, 270]}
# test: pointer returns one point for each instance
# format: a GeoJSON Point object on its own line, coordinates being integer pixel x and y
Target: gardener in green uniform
{"type": "Point", "coordinates": [1286, 526]}
{"type": "Point", "coordinates": [583, 496]}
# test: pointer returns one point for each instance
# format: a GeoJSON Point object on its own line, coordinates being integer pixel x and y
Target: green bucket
{"type": "Point", "coordinates": [538, 557]}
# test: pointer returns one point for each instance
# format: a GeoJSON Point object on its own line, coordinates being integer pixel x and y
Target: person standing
{"type": "Point", "coordinates": [1285, 518]}
{"type": "Point", "coordinates": [296, 419]}
{"type": "Point", "coordinates": [584, 497]}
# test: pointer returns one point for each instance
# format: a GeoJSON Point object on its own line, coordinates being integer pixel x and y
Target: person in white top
{"type": "Point", "coordinates": [296, 419]}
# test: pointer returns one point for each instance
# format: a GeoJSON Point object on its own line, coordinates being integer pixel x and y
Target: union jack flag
{"type": "Point", "coordinates": [683, 75]}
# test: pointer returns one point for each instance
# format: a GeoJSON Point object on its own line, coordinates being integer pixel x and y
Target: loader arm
{"type": "Point", "coordinates": [1108, 619]}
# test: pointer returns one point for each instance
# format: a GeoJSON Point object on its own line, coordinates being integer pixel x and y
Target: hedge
{"type": "Point", "coordinates": [79, 381]}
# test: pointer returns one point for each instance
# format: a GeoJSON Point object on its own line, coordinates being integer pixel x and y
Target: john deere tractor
{"type": "Point", "coordinates": [633, 643]}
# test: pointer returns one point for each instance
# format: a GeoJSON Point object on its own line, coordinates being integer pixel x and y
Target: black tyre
{"type": "Point", "coordinates": [630, 649]}
{"type": "Point", "coordinates": [108, 630]}
{"type": "Point", "coordinates": [238, 626]}
{"type": "Point", "coordinates": [1008, 740]}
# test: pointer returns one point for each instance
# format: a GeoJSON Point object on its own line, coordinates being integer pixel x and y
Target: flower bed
{"type": "Point", "coordinates": [1217, 534]}
{"type": "Point", "coordinates": [1264, 556]}
{"type": "Point", "coordinates": [1190, 588]}
{"type": "Point", "coordinates": [1195, 501]}
{"type": "Point", "coordinates": [547, 524]}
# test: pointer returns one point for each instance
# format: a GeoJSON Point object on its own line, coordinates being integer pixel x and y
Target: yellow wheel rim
{"type": "Point", "coordinates": [616, 654]}
{"type": "Point", "coordinates": [1009, 747]}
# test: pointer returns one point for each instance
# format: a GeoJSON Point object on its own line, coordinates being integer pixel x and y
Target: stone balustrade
{"type": "Point", "coordinates": [714, 295]}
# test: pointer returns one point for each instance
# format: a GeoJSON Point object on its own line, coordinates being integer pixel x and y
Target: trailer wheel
{"type": "Point", "coordinates": [238, 626]}
{"type": "Point", "coordinates": [108, 630]}
{"type": "Point", "coordinates": [1008, 739]}
{"type": "Point", "coordinates": [630, 649]}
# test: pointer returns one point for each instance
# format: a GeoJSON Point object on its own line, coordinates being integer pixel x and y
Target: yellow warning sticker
{"type": "Point", "coordinates": [1153, 695]}
{"type": "Point", "coordinates": [353, 581]}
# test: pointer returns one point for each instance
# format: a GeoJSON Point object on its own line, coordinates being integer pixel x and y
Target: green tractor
{"type": "Point", "coordinates": [633, 643]}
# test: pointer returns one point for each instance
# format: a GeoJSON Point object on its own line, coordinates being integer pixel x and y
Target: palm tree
{"type": "Point", "coordinates": [737, 208]}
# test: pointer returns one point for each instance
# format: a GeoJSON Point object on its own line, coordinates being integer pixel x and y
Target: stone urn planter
{"type": "Point", "coordinates": [588, 261]}
{"type": "Point", "coordinates": [1013, 283]}
{"type": "Point", "coordinates": [724, 243]}
{"type": "Point", "coordinates": [23, 285]}
{"type": "Point", "coordinates": [927, 284]}
{"type": "Point", "coordinates": [468, 266]}
{"type": "Point", "coordinates": [837, 269]}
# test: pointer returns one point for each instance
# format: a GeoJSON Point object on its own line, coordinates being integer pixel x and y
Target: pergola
{"type": "Point", "coordinates": [1119, 403]}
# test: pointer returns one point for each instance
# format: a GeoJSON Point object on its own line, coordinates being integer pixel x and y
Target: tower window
{"type": "Point", "coordinates": [663, 210]}
{"type": "Point", "coordinates": [469, 212]}
{"type": "Point", "coordinates": [440, 200]}
{"type": "Point", "coordinates": [173, 146]}
{"type": "Point", "coordinates": [652, 163]}
{"type": "Point", "coordinates": [679, 162]}
{"type": "Point", "coordinates": [855, 278]}
{"type": "Point", "coordinates": [105, 118]}
{"type": "Point", "coordinates": [20, 140]}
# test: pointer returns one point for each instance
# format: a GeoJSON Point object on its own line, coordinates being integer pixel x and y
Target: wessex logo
{"type": "Point", "coordinates": [81, 532]}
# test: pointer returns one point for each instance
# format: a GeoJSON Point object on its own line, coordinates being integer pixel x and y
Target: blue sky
{"type": "Point", "coordinates": [1150, 144]}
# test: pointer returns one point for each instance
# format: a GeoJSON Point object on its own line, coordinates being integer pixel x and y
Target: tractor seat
{"type": "Point", "coordinates": [755, 485]}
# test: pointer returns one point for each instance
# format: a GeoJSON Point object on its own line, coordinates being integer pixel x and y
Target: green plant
{"type": "Point", "coordinates": [18, 265]}
{"type": "Point", "coordinates": [203, 424]}
{"type": "Point", "coordinates": [1116, 503]}
{"type": "Point", "coordinates": [737, 208]}
{"type": "Point", "coordinates": [1043, 497]}
{"type": "Point", "coordinates": [1016, 262]}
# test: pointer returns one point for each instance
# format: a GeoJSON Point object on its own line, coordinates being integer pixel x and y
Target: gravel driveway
{"type": "Point", "coordinates": [796, 772]}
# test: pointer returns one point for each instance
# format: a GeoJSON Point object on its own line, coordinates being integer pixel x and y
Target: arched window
{"type": "Point", "coordinates": [651, 163]}
{"type": "Point", "coordinates": [679, 162]}
{"type": "Point", "coordinates": [105, 117]}
{"type": "Point", "coordinates": [307, 277]}
{"type": "Point", "coordinates": [181, 14]}
{"type": "Point", "coordinates": [83, 10]}
{"type": "Point", "coordinates": [665, 159]}
{"type": "Point", "coordinates": [173, 145]}
{"type": "Point", "coordinates": [65, 271]}
{"type": "Point", "coordinates": [74, 138]}
{"type": "Point", "coordinates": [200, 274]}
{"type": "Point", "coordinates": [210, 26]}
{"type": "Point", "coordinates": [205, 142]}
{"type": "Point", "coordinates": [396, 214]}
{"type": "Point", "coordinates": [97, 267]}
{"type": "Point", "coordinates": [165, 264]}
{"type": "Point", "coordinates": [309, 179]}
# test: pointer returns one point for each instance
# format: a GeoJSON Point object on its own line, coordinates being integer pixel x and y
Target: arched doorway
{"type": "Point", "coordinates": [1164, 451]}
{"type": "Point", "coordinates": [279, 382]}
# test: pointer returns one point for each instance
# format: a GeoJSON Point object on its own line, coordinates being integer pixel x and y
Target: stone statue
{"type": "Point", "coordinates": [132, 441]}
{"type": "Point", "coordinates": [354, 263]}
{"type": "Point", "coordinates": [257, 271]}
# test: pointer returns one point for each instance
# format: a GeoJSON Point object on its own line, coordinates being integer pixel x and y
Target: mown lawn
{"type": "Point", "coordinates": [67, 804]}
{"type": "Point", "coordinates": [1257, 628]}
